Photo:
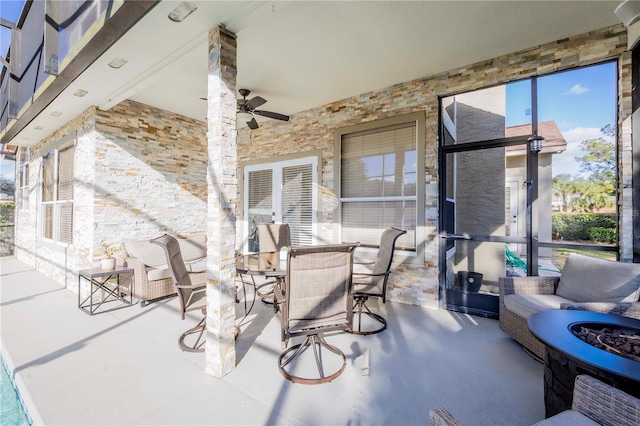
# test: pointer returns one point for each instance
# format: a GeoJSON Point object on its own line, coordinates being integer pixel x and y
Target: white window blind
{"type": "Point", "coordinates": [297, 202]}
{"type": "Point", "coordinates": [260, 195]}
{"type": "Point", "coordinates": [378, 184]}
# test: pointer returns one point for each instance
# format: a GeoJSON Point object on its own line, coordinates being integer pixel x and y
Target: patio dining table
{"type": "Point", "coordinates": [263, 264]}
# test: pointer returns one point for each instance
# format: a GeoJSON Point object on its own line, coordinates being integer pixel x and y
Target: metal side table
{"type": "Point", "coordinates": [114, 285]}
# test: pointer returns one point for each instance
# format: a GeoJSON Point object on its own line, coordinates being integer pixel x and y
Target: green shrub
{"type": "Point", "coordinates": [6, 211]}
{"type": "Point", "coordinates": [597, 227]}
{"type": "Point", "coordinates": [602, 235]}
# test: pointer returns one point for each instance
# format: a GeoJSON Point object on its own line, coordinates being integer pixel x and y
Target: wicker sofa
{"type": "Point", "coordinates": [593, 401]}
{"type": "Point", "coordinates": [152, 279]}
{"type": "Point", "coordinates": [586, 283]}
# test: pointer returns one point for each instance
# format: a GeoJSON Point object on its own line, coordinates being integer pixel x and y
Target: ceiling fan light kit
{"type": "Point", "coordinates": [247, 107]}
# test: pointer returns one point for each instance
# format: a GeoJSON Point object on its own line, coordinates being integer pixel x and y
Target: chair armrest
{"type": "Point", "coordinates": [603, 403]}
{"type": "Point", "coordinates": [527, 285]}
{"type": "Point", "coordinates": [441, 417]}
{"type": "Point", "coordinates": [631, 310]}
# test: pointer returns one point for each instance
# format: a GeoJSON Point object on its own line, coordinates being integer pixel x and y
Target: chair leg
{"type": "Point", "coordinates": [198, 345]}
{"type": "Point", "coordinates": [317, 343]}
{"type": "Point", "coordinates": [362, 308]}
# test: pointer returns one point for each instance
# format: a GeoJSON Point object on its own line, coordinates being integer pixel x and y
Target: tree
{"type": "Point", "coordinates": [591, 196]}
{"type": "Point", "coordinates": [600, 161]}
{"type": "Point", "coordinates": [7, 186]}
{"type": "Point", "coordinates": [563, 186]}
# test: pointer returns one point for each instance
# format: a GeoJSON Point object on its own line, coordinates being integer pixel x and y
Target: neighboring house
{"type": "Point", "coordinates": [337, 171]}
{"type": "Point", "coordinates": [553, 143]}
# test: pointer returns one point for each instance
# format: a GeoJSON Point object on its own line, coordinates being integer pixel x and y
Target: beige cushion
{"type": "Point", "coordinates": [145, 252]}
{"type": "Point", "coordinates": [588, 279]}
{"type": "Point", "coordinates": [193, 248]}
{"type": "Point", "coordinates": [198, 265]}
{"type": "Point", "coordinates": [154, 274]}
{"type": "Point", "coordinates": [525, 305]}
{"type": "Point", "coordinates": [568, 418]}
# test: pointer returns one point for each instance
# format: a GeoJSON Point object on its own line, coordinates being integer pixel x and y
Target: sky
{"type": "Point", "coordinates": [580, 101]}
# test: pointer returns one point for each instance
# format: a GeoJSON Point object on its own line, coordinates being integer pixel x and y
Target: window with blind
{"type": "Point", "coordinates": [57, 195]}
{"type": "Point", "coordinates": [379, 183]}
{"type": "Point", "coordinates": [22, 201]}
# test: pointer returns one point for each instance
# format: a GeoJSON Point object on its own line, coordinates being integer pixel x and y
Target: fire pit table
{"type": "Point", "coordinates": [567, 355]}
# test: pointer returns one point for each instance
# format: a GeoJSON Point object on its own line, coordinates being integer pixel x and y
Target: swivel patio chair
{"type": "Point", "coordinates": [271, 238]}
{"type": "Point", "coordinates": [192, 298]}
{"type": "Point", "coordinates": [316, 299]}
{"type": "Point", "coordinates": [370, 280]}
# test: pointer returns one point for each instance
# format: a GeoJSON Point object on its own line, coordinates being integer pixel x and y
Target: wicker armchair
{"type": "Point", "coordinates": [515, 325]}
{"type": "Point", "coordinates": [592, 399]}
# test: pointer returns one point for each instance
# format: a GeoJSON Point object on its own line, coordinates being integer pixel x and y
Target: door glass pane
{"type": "Point", "coordinates": [297, 203]}
{"type": "Point", "coordinates": [260, 202]}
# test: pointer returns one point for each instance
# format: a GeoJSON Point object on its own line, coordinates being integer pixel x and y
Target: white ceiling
{"type": "Point", "coordinates": [303, 54]}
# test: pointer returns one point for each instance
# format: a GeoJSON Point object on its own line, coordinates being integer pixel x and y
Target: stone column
{"type": "Point", "coordinates": [220, 352]}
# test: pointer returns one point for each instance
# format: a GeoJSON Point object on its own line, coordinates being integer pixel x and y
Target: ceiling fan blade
{"type": "Point", "coordinates": [255, 102]}
{"type": "Point", "coordinates": [273, 115]}
{"type": "Point", "coordinates": [253, 124]}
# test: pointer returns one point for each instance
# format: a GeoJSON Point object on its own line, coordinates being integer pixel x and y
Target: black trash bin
{"type": "Point", "coordinates": [468, 281]}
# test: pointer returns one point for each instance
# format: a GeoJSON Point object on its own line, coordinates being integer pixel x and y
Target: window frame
{"type": "Point", "coordinates": [419, 120]}
{"type": "Point", "coordinates": [56, 203]}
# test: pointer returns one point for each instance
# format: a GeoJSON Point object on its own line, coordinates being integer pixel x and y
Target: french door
{"type": "Point", "coordinates": [281, 192]}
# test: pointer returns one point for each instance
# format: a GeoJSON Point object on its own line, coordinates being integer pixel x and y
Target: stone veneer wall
{"type": "Point", "coordinates": [313, 129]}
{"type": "Point", "coordinates": [139, 172]}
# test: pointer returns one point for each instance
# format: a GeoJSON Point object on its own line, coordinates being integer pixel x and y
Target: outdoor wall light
{"type": "Point", "coordinates": [183, 10]}
{"type": "Point", "coordinates": [56, 113]}
{"type": "Point", "coordinates": [80, 93]}
{"type": "Point", "coordinates": [244, 116]}
{"type": "Point", "coordinates": [628, 12]}
{"type": "Point", "coordinates": [535, 144]}
{"type": "Point", "coordinates": [117, 63]}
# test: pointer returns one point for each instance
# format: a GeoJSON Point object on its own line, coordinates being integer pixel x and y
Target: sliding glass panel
{"type": "Point", "coordinates": [577, 164]}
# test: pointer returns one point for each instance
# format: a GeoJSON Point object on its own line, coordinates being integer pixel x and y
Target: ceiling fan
{"type": "Point", "coordinates": [247, 107]}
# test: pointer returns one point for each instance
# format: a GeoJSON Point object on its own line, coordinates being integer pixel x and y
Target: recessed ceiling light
{"type": "Point", "coordinates": [38, 128]}
{"type": "Point", "coordinates": [117, 63]}
{"type": "Point", "coordinates": [181, 12]}
{"type": "Point", "coordinates": [80, 93]}
{"type": "Point", "coordinates": [56, 113]}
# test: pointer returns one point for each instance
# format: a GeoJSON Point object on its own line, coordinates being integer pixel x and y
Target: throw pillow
{"type": "Point", "coordinates": [588, 279]}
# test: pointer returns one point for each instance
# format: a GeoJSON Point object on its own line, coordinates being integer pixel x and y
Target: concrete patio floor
{"type": "Point", "coordinates": [124, 367]}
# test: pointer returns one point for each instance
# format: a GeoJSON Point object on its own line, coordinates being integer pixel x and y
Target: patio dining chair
{"type": "Point", "coordinates": [316, 299]}
{"type": "Point", "coordinates": [192, 297]}
{"type": "Point", "coordinates": [370, 280]}
{"type": "Point", "coordinates": [271, 238]}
